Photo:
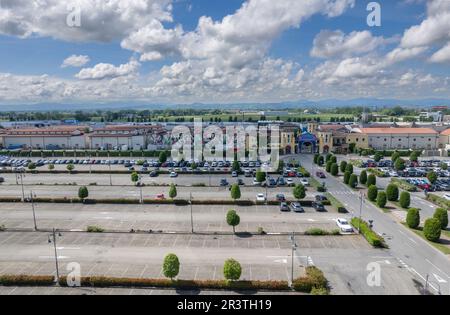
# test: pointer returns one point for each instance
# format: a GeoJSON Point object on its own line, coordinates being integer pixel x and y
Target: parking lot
{"type": "Point", "coordinates": [164, 218]}
{"type": "Point", "coordinates": [202, 257]}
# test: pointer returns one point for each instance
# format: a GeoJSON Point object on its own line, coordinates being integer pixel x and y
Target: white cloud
{"type": "Point", "coordinates": [75, 61]}
{"type": "Point", "coordinates": [330, 44]}
{"type": "Point", "coordinates": [442, 55]}
{"type": "Point", "coordinates": [107, 71]}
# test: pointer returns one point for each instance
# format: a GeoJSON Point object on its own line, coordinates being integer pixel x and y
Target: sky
{"type": "Point", "coordinates": [228, 51]}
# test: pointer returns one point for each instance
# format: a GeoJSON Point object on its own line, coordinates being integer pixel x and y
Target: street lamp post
{"type": "Point", "coordinates": [294, 249]}
{"type": "Point", "coordinates": [21, 183]}
{"type": "Point", "coordinates": [110, 174]}
{"type": "Point", "coordinates": [192, 215]}
{"type": "Point", "coordinates": [32, 208]}
{"type": "Point", "coordinates": [52, 239]}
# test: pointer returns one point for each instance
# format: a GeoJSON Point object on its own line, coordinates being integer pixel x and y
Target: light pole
{"type": "Point", "coordinates": [140, 189]}
{"type": "Point", "coordinates": [192, 215]}
{"type": "Point", "coordinates": [110, 174]}
{"type": "Point", "coordinates": [32, 208]}
{"type": "Point", "coordinates": [294, 249]}
{"type": "Point", "coordinates": [52, 239]}
{"type": "Point", "coordinates": [21, 183]}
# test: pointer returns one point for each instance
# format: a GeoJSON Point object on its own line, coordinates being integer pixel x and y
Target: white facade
{"type": "Point", "coordinates": [117, 142]}
{"type": "Point", "coordinates": [43, 142]}
{"type": "Point", "coordinates": [402, 138]}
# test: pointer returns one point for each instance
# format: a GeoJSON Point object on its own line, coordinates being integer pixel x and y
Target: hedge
{"type": "Point", "coordinates": [314, 279]}
{"type": "Point", "coordinates": [23, 280]}
{"type": "Point", "coordinates": [109, 282]}
{"type": "Point", "coordinates": [432, 230]}
{"type": "Point", "coordinates": [439, 201]}
{"type": "Point", "coordinates": [403, 184]}
{"type": "Point", "coordinates": [373, 238]}
{"type": "Point", "coordinates": [413, 218]}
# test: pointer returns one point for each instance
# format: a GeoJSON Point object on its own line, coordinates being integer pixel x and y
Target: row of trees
{"type": "Point", "coordinates": [432, 227]}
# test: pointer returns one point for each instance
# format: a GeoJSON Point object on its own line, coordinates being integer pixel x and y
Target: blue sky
{"type": "Point", "coordinates": [324, 49]}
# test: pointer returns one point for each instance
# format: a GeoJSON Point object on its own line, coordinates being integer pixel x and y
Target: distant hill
{"type": "Point", "coordinates": [367, 102]}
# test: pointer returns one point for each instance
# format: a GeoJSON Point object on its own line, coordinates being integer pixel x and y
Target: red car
{"type": "Point", "coordinates": [160, 197]}
{"type": "Point", "coordinates": [321, 175]}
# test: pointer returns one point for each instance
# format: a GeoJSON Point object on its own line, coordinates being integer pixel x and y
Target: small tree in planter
{"type": "Point", "coordinates": [233, 219]}
{"type": "Point", "coordinates": [353, 181]}
{"type": "Point", "coordinates": [347, 176]}
{"type": "Point", "coordinates": [432, 230]}
{"type": "Point", "coordinates": [299, 192]}
{"type": "Point", "coordinates": [372, 193]}
{"type": "Point", "coordinates": [371, 180]}
{"type": "Point", "coordinates": [232, 270]}
{"type": "Point", "coordinates": [171, 266]}
{"type": "Point", "coordinates": [328, 166]}
{"type": "Point", "coordinates": [405, 200]}
{"type": "Point", "coordinates": [173, 191]}
{"type": "Point", "coordinates": [316, 158]}
{"type": "Point", "coordinates": [83, 193]}
{"type": "Point", "coordinates": [70, 168]}
{"type": "Point", "coordinates": [363, 178]}
{"type": "Point", "coordinates": [413, 218]}
{"type": "Point", "coordinates": [134, 177]}
{"type": "Point", "coordinates": [51, 167]}
{"type": "Point", "coordinates": [349, 168]}
{"type": "Point", "coordinates": [381, 199]}
{"type": "Point", "coordinates": [334, 169]}
{"type": "Point", "coordinates": [343, 166]}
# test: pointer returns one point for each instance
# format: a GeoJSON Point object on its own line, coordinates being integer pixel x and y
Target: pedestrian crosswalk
{"type": "Point", "coordinates": [343, 192]}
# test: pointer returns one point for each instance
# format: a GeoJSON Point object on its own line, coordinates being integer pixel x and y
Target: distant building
{"type": "Point", "coordinates": [401, 138]}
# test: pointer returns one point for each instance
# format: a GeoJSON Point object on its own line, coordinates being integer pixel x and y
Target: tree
{"type": "Point", "coordinates": [333, 159]}
{"type": "Point", "coordinates": [316, 158]}
{"type": "Point", "coordinates": [335, 169]}
{"type": "Point", "coordinates": [381, 199]}
{"type": "Point", "coordinates": [441, 215]}
{"type": "Point", "coordinates": [343, 166]}
{"type": "Point", "coordinates": [51, 167]}
{"type": "Point", "coordinates": [280, 166]}
{"type": "Point", "coordinates": [233, 219]}
{"type": "Point", "coordinates": [395, 156]}
{"type": "Point", "coordinates": [363, 178]}
{"type": "Point", "coordinates": [299, 192]}
{"type": "Point", "coordinates": [378, 157]}
{"type": "Point", "coordinates": [83, 193]}
{"type": "Point", "coordinates": [328, 157]}
{"type": "Point", "coordinates": [392, 192]}
{"type": "Point", "coordinates": [399, 164]}
{"type": "Point", "coordinates": [347, 177]}
{"type": "Point", "coordinates": [236, 166]}
{"type": "Point", "coordinates": [232, 270]}
{"type": "Point", "coordinates": [405, 200]}
{"type": "Point", "coordinates": [413, 218]}
{"type": "Point", "coordinates": [70, 168]}
{"type": "Point", "coordinates": [235, 192]}
{"type": "Point", "coordinates": [171, 266]}
{"type": "Point", "coordinates": [134, 177]}
{"type": "Point", "coordinates": [260, 176]}
{"type": "Point", "coordinates": [353, 182]}
{"type": "Point", "coordinates": [444, 166]}
{"type": "Point", "coordinates": [372, 193]}
{"type": "Point", "coordinates": [371, 180]}
{"type": "Point", "coordinates": [163, 157]}
{"type": "Point", "coordinates": [432, 230]}
{"type": "Point", "coordinates": [32, 166]}
{"type": "Point", "coordinates": [173, 191]}
{"type": "Point", "coordinates": [432, 177]}
{"type": "Point", "coordinates": [321, 160]}
{"type": "Point", "coordinates": [328, 166]}
{"type": "Point", "coordinates": [349, 168]}
{"type": "Point", "coordinates": [414, 157]}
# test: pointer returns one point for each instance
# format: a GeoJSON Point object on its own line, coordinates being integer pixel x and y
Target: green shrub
{"type": "Point", "coordinates": [171, 266]}
{"type": "Point", "coordinates": [392, 192]}
{"type": "Point", "coordinates": [372, 193]}
{"type": "Point", "coordinates": [333, 159]}
{"type": "Point", "coordinates": [316, 158]}
{"type": "Point", "coordinates": [442, 215]}
{"type": "Point", "coordinates": [403, 184]}
{"type": "Point", "coordinates": [349, 168]}
{"type": "Point", "coordinates": [94, 229]}
{"type": "Point", "coordinates": [233, 219]}
{"type": "Point", "coordinates": [373, 238]}
{"type": "Point", "coordinates": [381, 199]}
{"type": "Point", "coordinates": [405, 200]}
{"type": "Point", "coordinates": [400, 164]}
{"type": "Point", "coordinates": [413, 218]}
{"type": "Point", "coordinates": [363, 178]}
{"type": "Point", "coordinates": [439, 201]}
{"type": "Point", "coordinates": [328, 166]}
{"type": "Point", "coordinates": [432, 177]}
{"type": "Point", "coordinates": [343, 166]}
{"type": "Point", "coordinates": [235, 192]}
{"type": "Point", "coordinates": [299, 192]}
{"type": "Point", "coordinates": [353, 181]}
{"type": "Point", "coordinates": [232, 270]}
{"type": "Point", "coordinates": [23, 280]}
{"type": "Point", "coordinates": [334, 169]}
{"type": "Point", "coordinates": [432, 230]}
{"type": "Point", "coordinates": [347, 176]}
{"type": "Point", "coordinates": [314, 280]}
{"type": "Point", "coordinates": [173, 191]}
{"type": "Point", "coordinates": [371, 180]}
{"type": "Point", "coordinates": [321, 161]}
{"type": "Point", "coordinates": [83, 192]}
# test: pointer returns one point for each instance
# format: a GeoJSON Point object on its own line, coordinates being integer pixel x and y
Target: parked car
{"type": "Point", "coordinates": [281, 198]}
{"type": "Point", "coordinates": [234, 174]}
{"type": "Point", "coordinates": [154, 174]}
{"type": "Point", "coordinates": [447, 197]}
{"type": "Point", "coordinates": [223, 182]}
{"type": "Point", "coordinates": [296, 207]}
{"type": "Point", "coordinates": [344, 226]}
{"type": "Point", "coordinates": [304, 182]}
{"type": "Point", "coordinates": [321, 198]}
{"type": "Point", "coordinates": [173, 174]}
{"type": "Point", "coordinates": [2, 180]}
{"type": "Point", "coordinates": [160, 197]}
{"type": "Point", "coordinates": [284, 207]}
{"type": "Point", "coordinates": [321, 175]}
{"type": "Point", "coordinates": [318, 206]}
{"type": "Point", "coordinates": [261, 198]}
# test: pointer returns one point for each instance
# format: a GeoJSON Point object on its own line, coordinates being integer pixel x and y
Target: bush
{"type": "Point", "coordinates": [23, 280]}
{"type": "Point", "coordinates": [353, 181]}
{"type": "Point", "coordinates": [320, 232]}
{"type": "Point", "coordinates": [328, 166]}
{"type": "Point", "coordinates": [363, 178]}
{"type": "Point", "coordinates": [333, 159]}
{"type": "Point", "coordinates": [316, 158]}
{"type": "Point", "coordinates": [343, 166]}
{"type": "Point", "coordinates": [381, 199]}
{"type": "Point", "coordinates": [173, 191]}
{"type": "Point", "coordinates": [83, 192]}
{"type": "Point", "coordinates": [395, 156]}
{"type": "Point", "coordinates": [314, 280]}
{"type": "Point", "coordinates": [373, 238]}
{"type": "Point", "coordinates": [260, 176]}
{"type": "Point", "coordinates": [392, 192]}
{"type": "Point", "coordinates": [94, 229]}
{"type": "Point", "coordinates": [403, 184]}
{"type": "Point", "coordinates": [232, 270]}
{"type": "Point", "coordinates": [349, 168]}
{"type": "Point", "coordinates": [319, 291]}
{"type": "Point", "coordinates": [347, 176]}
{"type": "Point", "coordinates": [171, 266]}
{"type": "Point", "coordinates": [235, 192]}
{"type": "Point", "coordinates": [432, 177]}
{"type": "Point", "coordinates": [400, 164]}
{"type": "Point", "coordinates": [321, 161]}
{"type": "Point", "coordinates": [299, 192]}
{"type": "Point", "coordinates": [405, 200]}
{"type": "Point", "coordinates": [334, 169]}
{"type": "Point", "coordinates": [233, 219]}
{"type": "Point", "coordinates": [441, 215]}
{"type": "Point", "coordinates": [432, 230]}
{"type": "Point", "coordinates": [328, 157]}
{"type": "Point", "coordinates": [413, 218]}
{"type": "Point", "coordinates": [371, 180]}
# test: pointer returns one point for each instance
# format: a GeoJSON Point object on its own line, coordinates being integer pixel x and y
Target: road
{"type": "Point", "coordinates": [343, 260]}
{"type": "Point", "coordinates": [167, 218]}
{"type": "Point", "coordinates": [420, 258]}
